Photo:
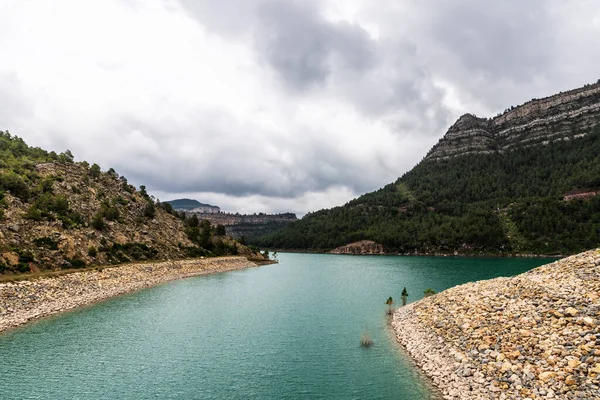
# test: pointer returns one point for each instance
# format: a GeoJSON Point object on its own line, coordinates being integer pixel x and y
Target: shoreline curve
{"type": "Point", "coordinates": [30, 300]}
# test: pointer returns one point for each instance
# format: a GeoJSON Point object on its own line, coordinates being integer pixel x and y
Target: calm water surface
{"type": "Point", "coordinates": [284, 331]}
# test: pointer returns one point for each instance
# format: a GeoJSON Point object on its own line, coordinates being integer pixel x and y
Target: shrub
{"type": "Point", "coordinates": [14, 183]}
{"type": "Point", "coordinates": [72, 220]}
{"type": "Point", "coordinates": [149, 210]}
{"type": "Point", "coordinates": [48, 206]}
{"type": "Point", "coordinates": [95, 171]}
{"type": "Point", "coordinates": [98, 222]}
{"type": "Point", "coordinates": [111, 213]}
{"type": "Point", "coordinates": [167, 207]}
{"type": "Point", "coordinates": [75, 263]}
{"type": "Point", "coordinates": [47, 242]}
{"type": "Point", "coordinates": [220, 230]}
{"type": "Point", "coordinates": [92, 251]}
{"type": "Point", "coordinates": [121, 200]}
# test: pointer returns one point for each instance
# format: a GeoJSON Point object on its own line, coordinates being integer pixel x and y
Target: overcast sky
{"type": "Point", "coordinates": [276, 105]}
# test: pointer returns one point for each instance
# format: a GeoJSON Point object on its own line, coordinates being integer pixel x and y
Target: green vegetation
{"type": "Point", "coordinates": [46, 242]}
{"type": "Point", "coordinates": [479, 203]}
{"type": "Point", "coordinates": [429, 292]}
{"type": "Point", "coordinates": [207, 238]}
{"type": "Point", "coordinates": [121, 253]}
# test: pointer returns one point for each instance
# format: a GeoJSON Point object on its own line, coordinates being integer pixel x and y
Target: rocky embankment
{"type": "Point", "coordinates": [28, 300]}
{"type": "Point", "coordinates": [533, 336]}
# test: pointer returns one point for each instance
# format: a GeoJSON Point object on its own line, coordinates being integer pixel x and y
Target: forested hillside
{"type": "Point", "coordinates": [492, 203]}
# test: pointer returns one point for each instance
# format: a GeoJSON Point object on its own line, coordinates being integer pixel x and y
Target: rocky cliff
{"type": "Point", "coordinates": [535, 335]}
{"type": "Point", "coordinates": [564, 116]}
{"type": "Point", "coordinates": [248, 226]}
{"type": "Point", "coordinates": [362, 247]}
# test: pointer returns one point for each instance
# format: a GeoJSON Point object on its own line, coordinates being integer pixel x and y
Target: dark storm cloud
{"type": "Point", "coordinates": [380, 78]}
{"type": "Point", "coordinates": [509, 39]}
{"type": "Point", "coordinates": [304, 48]}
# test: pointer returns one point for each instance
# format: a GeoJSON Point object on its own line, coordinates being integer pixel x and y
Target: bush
{"type": "Point", "coordinates": [47, 242]}
{"type": "Point", "coordinates": [48, 206]}
{"type": "Point", "coordinates": [167, 207]}
{"type": "Point", "coordinates": [15, 184]}
{"type": "Point", "coordinates": [111, 213]}
{"type": "Point", "coordinates": [95, 171]}
{"type": "Point", "coordinates": [92, 251]}
{"type": "Point", "coordinates": [98, 222]}
{"type": "Point", "coordinates": [24, 255]}
{"type": "Point", "coordinates": [119, 253]}
{"type": "Point", "coordinates": [220, 230]}
{"type": "Point", "coordinates": [149, 210]}
{"type": "Point", "coordinates": [75, 263]}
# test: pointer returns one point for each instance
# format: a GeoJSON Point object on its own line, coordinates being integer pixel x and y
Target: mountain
{"type": "Point", "coordinates": [57, 213]}
{"type": "Point", "coordinates": [522, 182]}
{"type": "Point", "coordinates": [189, 204]}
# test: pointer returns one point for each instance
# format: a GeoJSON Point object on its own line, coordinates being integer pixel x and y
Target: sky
{"type": "Point", "coordinates": [276, 105]}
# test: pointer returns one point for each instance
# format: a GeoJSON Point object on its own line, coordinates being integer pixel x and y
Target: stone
{"type": "Point", "coordinates": [589, 321]}
{"type": "Point", "coordinates": [546, 376]}
{"type": "Point", "coordinates": [572, 312]}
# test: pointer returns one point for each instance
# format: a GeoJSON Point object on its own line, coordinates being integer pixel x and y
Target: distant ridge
{"type": "Point", "coordinates": [188, 204]}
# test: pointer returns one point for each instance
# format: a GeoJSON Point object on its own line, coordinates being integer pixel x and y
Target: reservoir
{"type": "Point", "coordinates": [285, 331]}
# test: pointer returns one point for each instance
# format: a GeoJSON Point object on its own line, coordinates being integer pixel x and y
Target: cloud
{"type": "Point", "coordinates": [276, 105]}
{"type": "Point", "coordinates": [305, 49]}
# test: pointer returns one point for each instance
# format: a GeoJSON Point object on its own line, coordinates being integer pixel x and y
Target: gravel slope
{"type": "Point", "coordinates": [532, 336]}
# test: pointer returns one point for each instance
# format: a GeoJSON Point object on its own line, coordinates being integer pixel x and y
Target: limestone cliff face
{"type": "Point", "coordinates": [564, 116]}
{"type": "Point", "coordinates": [362, 247]}
{"type": "Point", "coordinates": [249, 226]}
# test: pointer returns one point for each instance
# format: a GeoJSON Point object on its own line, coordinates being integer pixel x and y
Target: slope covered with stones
{"type": "Point", "coordinates": [535, 335]}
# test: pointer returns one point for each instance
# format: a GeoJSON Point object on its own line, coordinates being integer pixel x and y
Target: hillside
{"type": "Point", "coordinates": [56, 213]}
{"type": "Point", "coordinates": [535, 335]}
{"type": "Point", "coordinates": [522, 182]}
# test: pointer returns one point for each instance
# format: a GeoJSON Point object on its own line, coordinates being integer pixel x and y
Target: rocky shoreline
{"type": "Point", "coordinates": [25, 301]}
{"type": "Point", "coordinates": [532, 336]}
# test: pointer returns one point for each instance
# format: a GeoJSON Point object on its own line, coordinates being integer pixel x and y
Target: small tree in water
{"type": "Point", "coordinates": [365, 339]}
{"type": "Point", "coordinates": [390, 303]}
{"type": "Point", "coordinates": [404, 296]}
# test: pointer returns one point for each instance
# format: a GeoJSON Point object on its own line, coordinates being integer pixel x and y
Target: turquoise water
{"type": "Point", "coordinates": [287, 331]}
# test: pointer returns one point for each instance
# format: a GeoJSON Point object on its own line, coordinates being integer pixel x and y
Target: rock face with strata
{"type": "Point", "coordinates": [248, 226]}
{"type": "Point", "coordinates": [564, 116]}
{"type": "Point", "coordinates": [362, 247]}
{"type": "Point", "coordinates": [533, 336]}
